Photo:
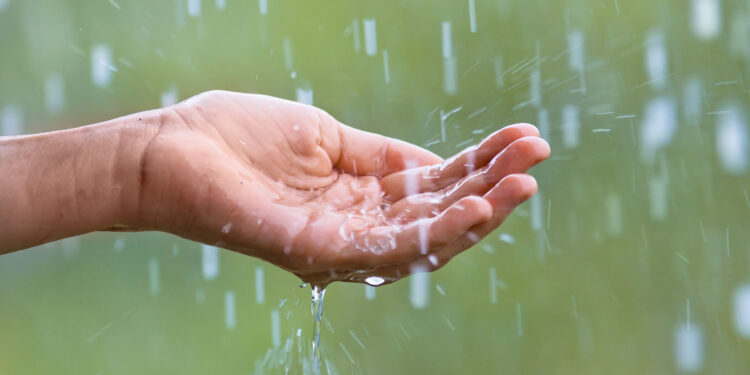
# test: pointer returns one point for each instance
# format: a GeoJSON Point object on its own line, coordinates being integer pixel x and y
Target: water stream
{"type": "Point", "coordinates": [316, 306]}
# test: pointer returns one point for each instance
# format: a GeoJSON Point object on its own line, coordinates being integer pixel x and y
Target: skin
{"type": "Point", "coordinates": [270, 178]}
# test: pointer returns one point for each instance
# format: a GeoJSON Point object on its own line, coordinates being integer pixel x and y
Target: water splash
{"type": "Point", "coordinates": [318, 293]}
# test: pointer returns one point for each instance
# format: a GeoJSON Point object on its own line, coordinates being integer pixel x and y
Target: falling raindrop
{"type": "Point", "coordinates": [658, 127]}
{"type": "Point", "coordinates": [571, 126]}
{"type": "Point", "coordinates": [169, 97]}
{"type": "Point", "coordinates": [210, 262]}
{"type": "Point", "coordinates": [54, 93]}
{"type": "Point", "coordinates": [11, 120]}
{"type": "Point", "coordinates": [153, 276]}
{"type": "Point", "coordinates": [741, 302]}
{"type": "Point", "coordinates": [419, 287]}
{"type": "Point", "coordinates": [732, 141]}
{"type": "Point", "coordinates": [371, 44]}
{"type": "Point", "coordinates": [706, 18]}
{"type": "Point", "coordinates": [656, 60]}
{"type": "Point", "coordinates": [229, 310]}
{"type": "Point", "coordinates": [101, 65]}
{"type": "Point", "coordinates": [259, 286]}
{"type": "Point", "coordinates": [194, 8]}
{"type": "Point", "coordinates": [688, 348]}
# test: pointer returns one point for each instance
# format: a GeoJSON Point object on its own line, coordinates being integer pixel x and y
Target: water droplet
{"type": "Point", "coordinates": [259, 286]}
{"type": "Point", "coordinates": [419, 295]}
{"type": "Point", "coordinates": [229, 310]}
{"type": "Point", "coordinates": [732, 142]}
{"type": "Point", "coordinates": [210, 262]}
{"type": "Point", "coordinates": [741, 301]}
{"type": "Point", "coordinates": [706, 18]}
{"type": "Point", "coordinates": [688, 348]}
{"type": "Point", "coordinates": [101, 65]}
{"type": "Point", "coordinates": [371, 46]}
{"type": "Point", "coordinates": [374, 280]}
{"type": "Point", "coordinates": [153, 276]}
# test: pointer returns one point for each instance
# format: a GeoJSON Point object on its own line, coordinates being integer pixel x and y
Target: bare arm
{"type": "Point", "coordinates": [65, 183]}
{"type": "Point", "coordinates": [269, 178]}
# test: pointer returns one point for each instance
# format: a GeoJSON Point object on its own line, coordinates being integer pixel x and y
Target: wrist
{"type": "Point", "coordinates": [132, 136]}
{"type": "Point", "coordinates": [74, 181]}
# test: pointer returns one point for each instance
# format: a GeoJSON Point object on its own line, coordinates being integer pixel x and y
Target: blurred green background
{"type": "Point", "coordinates": [633, 259]}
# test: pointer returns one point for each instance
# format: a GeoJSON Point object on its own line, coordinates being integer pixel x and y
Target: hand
{"type": "Point", "coordinates": [288, 183]}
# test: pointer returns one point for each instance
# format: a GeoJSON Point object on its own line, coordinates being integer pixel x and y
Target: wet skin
{"type": "Point", "coordinates": [287, 183]}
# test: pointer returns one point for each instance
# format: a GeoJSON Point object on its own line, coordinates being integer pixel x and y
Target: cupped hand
{"type": "Point", "coordinates": [288, 183]}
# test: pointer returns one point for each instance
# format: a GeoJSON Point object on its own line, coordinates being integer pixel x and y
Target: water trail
{"type": "Point", "coordinates": [318, 293]}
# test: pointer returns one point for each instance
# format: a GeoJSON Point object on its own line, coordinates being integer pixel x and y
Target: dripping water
{"type": "Point", "coordinates": [317, 313]}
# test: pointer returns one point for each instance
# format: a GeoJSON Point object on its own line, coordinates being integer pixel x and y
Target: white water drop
{"type": "Point", "coordinates": [732, 142]}
{"type": "Point", "coordinates": [507, 238]}
{"type": "Point", "coordinates": [423, 240]}
{"type": "Point", "coordinates": [688, 348]}
{"type": "Point", "coordinates": [576, 49]}
{"type": "Point", "coordinates": [194, 8]}
{"type": "Point", "coordinates": [656, 60]}
{"type": "Point", "coordinates": [386, 69]}
{"type": "Point", "coordinates": [741, 301]}
{"type": "Point", "coordinates": [169, 97]}
{"type": "Point", "coordinates": [543, 123]}
{"type": "Point", "coordinates": [119, 244]}
{"type": "Point", "coordinates": [706, 18]}
{"type": "Point", "coordinates": [571, 126]}
{"type": "Point", "coordinates": [535, 88]}
{"type": "Point", "coordinates": [493, 285]}
{"type": "Point", "coordinates": [433, 259]}
{"type": "Point", "coordinates": [229, 310]}
{"type": "Point", "coordinates": [450, 64]}
{"type": "Point", "coordinates": [374, 280]}
{"type": "Point", "coordinates": [355, 34]}
{"type": "Point", "coordinates": [371, 43]}
{"type": "Point", "coordinates": [739, 41]}
{"type": "Point", "coordinates": [226, 228]}
{"type": "Point", "coordinates": [263, 6]}
{"type": "Point", "coordinates": [472, 16]}
{"type": "Point", "coordinates": [419, 295]}
{"type": "Point", "coordinates": [54, 93]}
{"type": "Point", "coordinates": [275, 328]}
{"type": "Point", "coordinates": [221, 4]}
{"type": "Point", "coordinates": [11, 121]}
{"type": "Point", "coordinates": [101, 65]}
{"type": "Point", "coordinates": [210, 262]}
{"type": "Point", "coordinates": [447, 40]}
{"type": "Point", "coordinates": [450, 75]}
{"type": "Point", "coordinates": [658, 127]}
{"type": "Point", "coordinates": [305, 95]}
{"type": "Point", "coordinates": [369, 292]}
{"type": "Point", "coordinates": [499, 73]}
{"type": "Point", "coordinates": [260, 289]}
{"type": "Point", "coordinates": [153, 276]}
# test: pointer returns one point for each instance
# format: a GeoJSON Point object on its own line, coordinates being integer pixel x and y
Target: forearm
{"type": "Point", "coordinates": [64, 183]}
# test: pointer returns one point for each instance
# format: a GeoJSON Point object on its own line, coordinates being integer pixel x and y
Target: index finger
{"type": "Point", "coordinates": [365, 153]}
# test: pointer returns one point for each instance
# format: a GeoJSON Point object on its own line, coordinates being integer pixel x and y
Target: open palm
{"type": "Point", "coordinates": [288, 183]}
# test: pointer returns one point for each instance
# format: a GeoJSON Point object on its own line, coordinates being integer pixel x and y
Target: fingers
{"type": "Point", "coordinates": [504, 197]}
{"type": "Point", "coordinates": [431, 178]}
{"type": "Point", "coordinates": [364, 153]}
{"type": "Point", "coordinates": [508, 194]}
{"type": "Point", "coordinates": [520, 156]}
{"type": "Point", "coordinates": [400, 243]}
